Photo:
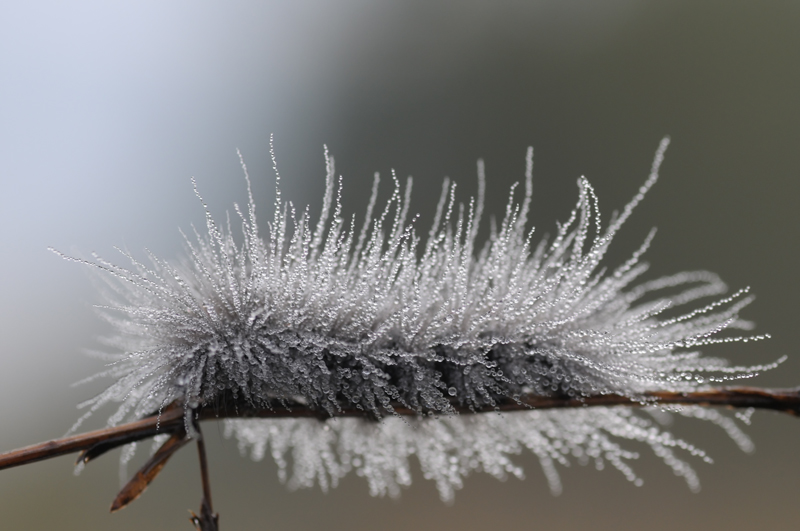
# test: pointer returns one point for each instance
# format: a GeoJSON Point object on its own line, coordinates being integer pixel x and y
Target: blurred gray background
{"type": "Point", "coordinates": [107, 109]}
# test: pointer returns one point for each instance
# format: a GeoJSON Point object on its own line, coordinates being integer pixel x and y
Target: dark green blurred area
{"type": "Point", "coordinates": [425, 88]}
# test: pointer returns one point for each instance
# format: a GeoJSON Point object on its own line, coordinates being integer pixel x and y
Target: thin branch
{"type": "Point", "coordinates": [172, 419]}
{"type": "Point", "coordinates": [208, 519]}
{"type": "Point", "coordinates": [116, 436]}
{"type": "Point", "coordinates": [142, 479]}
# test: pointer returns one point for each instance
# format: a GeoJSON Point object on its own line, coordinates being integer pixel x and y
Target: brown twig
{"type": "Point", "coordinates": [86, 442]}
{"type": "Point", "coordinates": [171, 419]}
{"type": "Point", "coordinates": [140, 481]}
{"type": "Point", "coordinates": [208, 519]}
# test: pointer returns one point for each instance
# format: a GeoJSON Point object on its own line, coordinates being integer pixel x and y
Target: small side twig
{"type": "Point", "coordinates": [208, 519]}
{"type": "Point", "coordinates": [142, 479]}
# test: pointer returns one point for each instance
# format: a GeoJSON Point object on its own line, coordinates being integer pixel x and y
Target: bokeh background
{"type": "Point", "coordinates": [108, 108]}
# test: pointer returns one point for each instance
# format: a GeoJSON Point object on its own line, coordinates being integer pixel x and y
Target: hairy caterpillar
{"type": "Point", "coordinates": [334, 318]}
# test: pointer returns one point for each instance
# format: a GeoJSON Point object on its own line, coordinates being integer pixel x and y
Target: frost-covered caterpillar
{"type": "Point", "coordinates": [392, 339]}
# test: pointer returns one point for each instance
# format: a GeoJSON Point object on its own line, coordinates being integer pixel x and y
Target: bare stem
{"type": "Point", "coordinates": [172, 418]}
{"type": "Point", "coordinates": [118, 435]}
{"type": "Point", "coordinates": [208, 520]}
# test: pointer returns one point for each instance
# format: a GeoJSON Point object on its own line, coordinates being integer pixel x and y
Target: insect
{"type": "Point", "coordinates": [349, 350]}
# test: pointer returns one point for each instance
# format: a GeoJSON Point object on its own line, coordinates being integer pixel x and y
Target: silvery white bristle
{"type": "Point", "coordinates": [340, 318]}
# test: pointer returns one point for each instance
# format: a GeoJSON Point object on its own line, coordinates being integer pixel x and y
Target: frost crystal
{"type": "Point", "coordinates": [336, 318]}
